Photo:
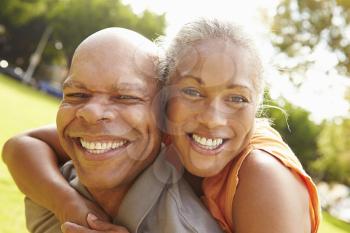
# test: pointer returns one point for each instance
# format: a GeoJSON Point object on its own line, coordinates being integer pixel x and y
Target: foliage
{"type": "Point", "coordinates": [71, 22]}
{"type": "Point", "coordinates": [300, 30]}
{"type": "Point", "coordinates": [295, 127]}
{"type": "Point", "coordinates": [302, 26]}
{"type": "Point", "coordinates": [74, 20]}
{"type": "Point", "coordinates": [16, 13]}
{"type": "Point", "coordinates": [150, 25]}
{"type": "Point", "coordinates": [334, 147]}
{"type": "Point", "coordinates": [22, 28]}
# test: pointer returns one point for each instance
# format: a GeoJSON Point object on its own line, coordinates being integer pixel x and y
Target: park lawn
{"type": "Point", "coordinates": [22, 108]}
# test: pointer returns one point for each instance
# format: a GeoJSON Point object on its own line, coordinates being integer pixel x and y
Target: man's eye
{"type": "Point", "coordinates": [77, 95]}
{"type": "Point", "coordinates": [190, 91]}
{"type": "Point", "coordinates": [127, 98]}
{"type": "Point", "coordinates": [237, 99]}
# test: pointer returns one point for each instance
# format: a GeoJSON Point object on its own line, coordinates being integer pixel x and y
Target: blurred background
{"type": "Point", "coordinates": [305, 43]}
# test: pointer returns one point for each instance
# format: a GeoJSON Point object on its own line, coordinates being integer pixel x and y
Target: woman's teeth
{"type": "Point", "coordinates": [101, 147]}
{"type": "Point", "coordinates": [207, 143]}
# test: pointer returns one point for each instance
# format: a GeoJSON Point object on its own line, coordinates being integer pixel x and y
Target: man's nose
{"type": "Point", "coordinates": [95, 111]}
{"type": "Point", "coordinates": [212, 115]}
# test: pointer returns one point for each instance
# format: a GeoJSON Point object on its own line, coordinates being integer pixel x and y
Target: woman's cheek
{"type": "Point", "coordinates": [180, 110]}
{"type": "Point", "coordinates": [246, 117]}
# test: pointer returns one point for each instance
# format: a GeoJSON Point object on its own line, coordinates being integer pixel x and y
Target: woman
{"type": "Point", "coordinates": [215, 84]}
{"type": "Point", "coordinates": [214, 87]}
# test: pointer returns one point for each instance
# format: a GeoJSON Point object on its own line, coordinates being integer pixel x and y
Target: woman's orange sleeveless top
{"type": "Point", "coordinates": [219, 190]}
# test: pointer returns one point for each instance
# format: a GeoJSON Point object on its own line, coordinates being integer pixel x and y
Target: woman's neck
{"type": "Point", "coordinates": [195, 182]}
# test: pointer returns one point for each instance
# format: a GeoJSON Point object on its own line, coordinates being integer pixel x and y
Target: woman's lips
{"type": "Point", "coordinates": [206, 145]}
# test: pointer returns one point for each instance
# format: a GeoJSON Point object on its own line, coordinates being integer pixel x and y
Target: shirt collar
{"type": "Point", "coordinates": [145, 192]}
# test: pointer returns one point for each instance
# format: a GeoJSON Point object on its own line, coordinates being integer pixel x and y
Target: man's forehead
{"type": "Point", "coordinates": [117, 84]}
{"type": "Point", "coordinates": [111, 57]}
{"type": "Point", "coordinates": [132, 60]}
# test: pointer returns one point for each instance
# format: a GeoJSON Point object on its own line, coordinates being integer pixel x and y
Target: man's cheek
{"type": "Point", "coordinates": [138, 115]}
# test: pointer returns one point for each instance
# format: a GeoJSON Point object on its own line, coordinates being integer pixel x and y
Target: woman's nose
{"type": "Point", "coordinates": [213, 115]}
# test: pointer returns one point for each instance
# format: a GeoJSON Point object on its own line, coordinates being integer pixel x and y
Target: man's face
{"type": "Point", "coordinates": [107, 119]}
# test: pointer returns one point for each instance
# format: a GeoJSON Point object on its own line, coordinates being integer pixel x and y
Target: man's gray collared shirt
{"type": "Point", "coordinates": [160, 201]}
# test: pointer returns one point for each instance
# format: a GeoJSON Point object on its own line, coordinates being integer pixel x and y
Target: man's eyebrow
{"type": "Point", "coordinates": [129, 87]}
{"type": "Point", "coordinates": [114, 88]}
{"type": "Point", "coordinates": [71, 83]}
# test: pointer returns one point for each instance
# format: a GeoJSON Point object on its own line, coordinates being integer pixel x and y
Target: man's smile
{"type": "Point", "coordinates": [99, 147]}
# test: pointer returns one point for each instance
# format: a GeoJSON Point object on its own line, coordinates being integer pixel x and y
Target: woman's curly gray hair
{"type": "Point", "coordinates": [207, 28]}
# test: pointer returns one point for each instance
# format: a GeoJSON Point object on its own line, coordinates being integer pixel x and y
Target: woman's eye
{"type": "Point", "coordinates": [190, 91]}
{"type": "Point", "coordinates": [237, 99]}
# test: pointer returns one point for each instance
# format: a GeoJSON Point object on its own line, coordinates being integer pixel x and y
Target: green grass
{"type": "Point", "coordinates": [22, 108]}
{"type": "Point", "coordinates": [333, 225]}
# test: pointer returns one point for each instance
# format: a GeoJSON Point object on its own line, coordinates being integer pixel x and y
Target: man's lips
{"type": "Point", "coordinates": [102, 146]}
{"type": "Point", "coordinates": [101, 149]}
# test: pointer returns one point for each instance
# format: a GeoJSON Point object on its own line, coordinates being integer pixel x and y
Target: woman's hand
{"type": "Point", "coordinates": [96, 226]}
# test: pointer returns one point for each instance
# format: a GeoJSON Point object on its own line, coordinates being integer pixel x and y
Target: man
{"type": "Point", "coordinates": [107, 124]}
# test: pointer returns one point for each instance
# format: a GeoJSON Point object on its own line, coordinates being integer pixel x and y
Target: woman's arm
{"type": "Point", "coordinates": [32, 159]}
{"type": "Point", "coordinates": [270, 198]}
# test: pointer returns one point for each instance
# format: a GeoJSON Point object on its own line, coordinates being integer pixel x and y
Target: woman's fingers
{"type": "Point", "coordinates": [103, 226]}
{"type": "Point", "coordinates": [69, 227]}
{"type": "Point", "coordinates": [96, 226]}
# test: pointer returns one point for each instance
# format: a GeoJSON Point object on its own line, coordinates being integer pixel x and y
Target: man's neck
{"type": "Point", "coordinates": [110, 200]}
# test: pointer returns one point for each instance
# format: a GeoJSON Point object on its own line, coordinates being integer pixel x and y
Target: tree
{"type": "Point", "coordinates": [150, 25]}
{"type": "Point", "coordinates": [74, 20]}
{"type": "Point", "coordinates": [334, 147]}
{"type": "Point", "coordinates": [23, 27]}
{"type": "Point", "coordinates": [71, 22]}
{"type": "Point", "coordinates": [300, 27]}
{"type": "Point", "coordinates": [16, 13]}
{"type": "Point", "coordinates": [295, 127]}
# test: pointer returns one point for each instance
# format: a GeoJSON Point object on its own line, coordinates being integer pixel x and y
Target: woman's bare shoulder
{"type": "Point", "coordinates": [269, 197]}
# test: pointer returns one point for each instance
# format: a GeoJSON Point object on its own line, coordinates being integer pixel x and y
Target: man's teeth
{"type": "Point", "coordinates": [207, 143]}
{"type": "Point", "coordinates": [101, 147]}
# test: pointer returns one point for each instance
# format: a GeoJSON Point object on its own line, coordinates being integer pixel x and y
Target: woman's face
{"type": "Point", "coordinates": [212, 105]}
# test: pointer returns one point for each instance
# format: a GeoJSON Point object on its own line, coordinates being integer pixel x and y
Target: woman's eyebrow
{"type": "Point", "coordinates": [238, 86]}
{"type": "Point", "coordinates": [230, 86]}
{"type": "Point", "coordinates": [198, 79]}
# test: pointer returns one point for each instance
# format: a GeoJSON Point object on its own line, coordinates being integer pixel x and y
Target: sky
{"type": "Point", "coordinates": [180, 11]}
{"type": "Point", "coordinates": [322, 94]}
